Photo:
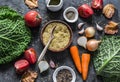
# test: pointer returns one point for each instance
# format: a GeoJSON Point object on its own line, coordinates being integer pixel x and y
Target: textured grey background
{"type": "Point", "coordinates": [7, 71]}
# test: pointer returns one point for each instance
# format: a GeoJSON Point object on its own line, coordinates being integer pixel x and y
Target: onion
{"type": "Point", "coordinates": [93, 44]}
{"type": "Point", "coordinates": [43, 66]}
{"type": "Point", "coordinates": [89, 32]}
{"type": "Point", "coordinates": [82, 41]}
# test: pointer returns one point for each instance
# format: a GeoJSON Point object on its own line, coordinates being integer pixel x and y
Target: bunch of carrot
{"type": "Point", "coordinates": [82, 65]}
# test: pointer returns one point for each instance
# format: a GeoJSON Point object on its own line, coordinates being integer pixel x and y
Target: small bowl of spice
{"type": "Point", "coordinates": [64, 74]}
{"type": "Point", "coordinates": [70, 14]}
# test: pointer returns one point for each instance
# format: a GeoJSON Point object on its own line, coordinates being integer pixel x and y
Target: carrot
{"type": "Point", "coordinates": [85, 65]}
{"type": "Point", "coordinates": [76, 58]}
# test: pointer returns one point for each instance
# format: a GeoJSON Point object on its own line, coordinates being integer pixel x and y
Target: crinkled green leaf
{"type": "Point", "coordinates": [107, 57]}
{"type": "Point", "coordinates": [14, 35]}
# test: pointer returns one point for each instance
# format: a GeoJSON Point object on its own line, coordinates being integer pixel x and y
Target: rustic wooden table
{"type": "Point", "coordinates": [7, 71]}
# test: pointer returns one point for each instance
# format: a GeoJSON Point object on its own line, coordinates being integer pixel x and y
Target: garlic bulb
{"type": "Point", "coordinates": [89, 32]}
{"type": "Point", "coordinates": [93, 44]}
{"type": "Point", "coordinates": [43, 66]}
{"type": "Point", "coordinates": [80, 25]}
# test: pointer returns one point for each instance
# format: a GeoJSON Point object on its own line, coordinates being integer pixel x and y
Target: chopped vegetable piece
{"type": "Point", "coordinates": [21, 65]}
{"type": "Point", "coordinates": [30, 55]}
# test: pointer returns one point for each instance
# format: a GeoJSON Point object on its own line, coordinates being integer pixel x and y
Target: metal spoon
{"type": "Point", "coordinates": [46, 47]}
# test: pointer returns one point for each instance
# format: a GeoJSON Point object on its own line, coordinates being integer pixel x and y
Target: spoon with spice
{"type": "Point", "coordinates": [46, 47]}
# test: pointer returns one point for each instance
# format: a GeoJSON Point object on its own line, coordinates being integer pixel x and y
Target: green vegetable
{"type": "Point", "coordinates": [107, 58]}
{"type": "Point", "coordinates": [112, 79]}
{"type": "Point", "coordinates": [14, 35]}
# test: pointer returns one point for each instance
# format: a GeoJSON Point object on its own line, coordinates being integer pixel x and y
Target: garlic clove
{"type": "Point", "coordinates": [43, 66]}
{"type": "Point", "coordinates": [81, 31]}
{"type": "Point", "coordinates": [80, 25]}
{"type": "Point", "coordinates": [82, 41]}
{"type": "Point", "coordinates": [52, 64]}
{"type": "Point", "coordinates": [99, 28]}
{"type": "Point", "coordinates": [93, 44]}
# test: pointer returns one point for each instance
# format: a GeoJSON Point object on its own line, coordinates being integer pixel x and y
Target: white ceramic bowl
{"type": "Point", "coordinates": [71, 9]}
{"type": "Point", "coordinates": [54, 8]}
{"type": "Point", "coordinates": [61, 68]}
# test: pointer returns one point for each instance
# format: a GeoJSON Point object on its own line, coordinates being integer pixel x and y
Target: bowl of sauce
{"type": "Point", "coordinates": [54, 5]}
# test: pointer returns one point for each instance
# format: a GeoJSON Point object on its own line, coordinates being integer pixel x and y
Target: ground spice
{"type": "Point", "coordinates": [70, 15]}
{"type": "Point", "coordinates": [64, 76]}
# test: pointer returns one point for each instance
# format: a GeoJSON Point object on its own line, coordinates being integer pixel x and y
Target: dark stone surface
{"type": "Point", "coordinates": [7, 71]}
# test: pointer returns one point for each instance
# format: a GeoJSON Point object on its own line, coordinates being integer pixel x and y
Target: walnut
{"type": "Point", "coordinates": [29, 76]}
{"type": "Point", "coordinates": [111, 28]}
{"type": "Point", "coordinates": [109, 10]}
{"type": "Point", "coordinates": [31, 3]}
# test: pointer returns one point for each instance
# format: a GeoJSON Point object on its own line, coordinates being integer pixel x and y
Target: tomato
{"type": "Point", "coordinates": [30, 55]}
{"type": "Point", "coordinates": [21, 65]}
{"type": "Point", "coordinates": [32, 18]}
{"type": "Point", "coordinates": [97, 4]}
{"type": "Point", "coordinates": [85, 11]}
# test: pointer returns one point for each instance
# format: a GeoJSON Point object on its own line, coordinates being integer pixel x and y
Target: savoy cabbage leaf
{"type": "Point", "coordinates": [111, 79]}
{"type": "Point", "coordinates": [107, 58]}
{"type": "Point", "coordinates": [14, 35]}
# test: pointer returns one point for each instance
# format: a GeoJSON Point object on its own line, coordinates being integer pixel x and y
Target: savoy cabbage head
{"type": "Point", "coordinates": [107, 59]}
{"type": "Point", "coordinates": [14, 35]}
